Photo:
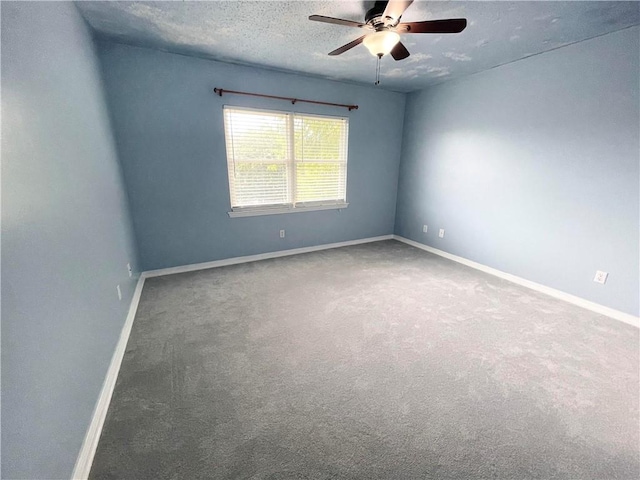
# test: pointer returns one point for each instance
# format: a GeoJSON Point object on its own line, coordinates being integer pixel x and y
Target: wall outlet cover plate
{"type": "Point", "coordinates": [601, 277]}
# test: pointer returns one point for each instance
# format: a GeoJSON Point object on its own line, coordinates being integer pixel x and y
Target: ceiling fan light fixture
{"type": "Point", "coordinates": [381, 42]}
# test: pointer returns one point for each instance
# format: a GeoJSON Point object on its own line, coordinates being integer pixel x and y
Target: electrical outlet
{"type": "Point", "coordinates": [119, 292]}
{"type": "Point", "coordinates": [281, 233]}
{"type": "Point", "coordinates": [601, 277]}
{"type": "Point", "coordinates": [424, 228]}
{"type": "Point", "coordinates": [129, 270]}
{"type": "Point", "coordinates": [441, 233]}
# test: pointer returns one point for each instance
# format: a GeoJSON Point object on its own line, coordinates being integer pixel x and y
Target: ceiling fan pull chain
{"type": "Point", "coordinates": [378, 71]}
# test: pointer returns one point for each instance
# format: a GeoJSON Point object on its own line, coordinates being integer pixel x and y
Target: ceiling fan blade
{"type": "Point", "coordinates": [453, 25]}
{"type": "Point", "coordinates": [399, 52]}
{"type": "Point", "coordinates": [336, 21]}
{"type": "Point", "coordinates": [395, 9]}
{"type": "Point", "coordinates": [348, 46]}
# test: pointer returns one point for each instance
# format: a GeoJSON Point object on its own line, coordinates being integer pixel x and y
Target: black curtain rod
{"type": "Point", "coordinates": [220, 91]}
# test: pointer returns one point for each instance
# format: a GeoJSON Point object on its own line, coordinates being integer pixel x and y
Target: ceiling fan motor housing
{"type": "Point", "coordinates": [374, 17]}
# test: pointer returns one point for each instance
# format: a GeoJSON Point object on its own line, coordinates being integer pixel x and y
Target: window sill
{"type": "Point", "coordinates": [258, 211]}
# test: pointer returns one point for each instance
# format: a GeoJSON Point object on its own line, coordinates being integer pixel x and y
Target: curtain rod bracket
{"type": "Point", "coordinates": [220, 91]}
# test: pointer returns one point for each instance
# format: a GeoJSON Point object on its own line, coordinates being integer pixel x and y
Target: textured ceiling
{"type": "Point", "coordinates": [278, 35]}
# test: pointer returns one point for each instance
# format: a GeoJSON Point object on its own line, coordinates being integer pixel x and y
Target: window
{"type": "Point", "coordinates": [285, 162]}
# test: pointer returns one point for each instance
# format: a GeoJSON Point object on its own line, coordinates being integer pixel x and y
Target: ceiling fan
{"type": "Point", "coordinates": [383, 25]}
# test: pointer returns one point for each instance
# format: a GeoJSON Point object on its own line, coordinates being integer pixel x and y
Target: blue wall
{"type": "Point", "coordinates": [169, 128]}
{"type": "Point", "coordinates": [532, 168]}
{"type": "Point", "coordinates": [66, 238]}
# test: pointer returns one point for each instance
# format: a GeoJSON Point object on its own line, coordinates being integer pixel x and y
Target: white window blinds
{"type": "Point", "coordinates": [280, 159]}
{"type": "Point", "coordinates": [320, 159]}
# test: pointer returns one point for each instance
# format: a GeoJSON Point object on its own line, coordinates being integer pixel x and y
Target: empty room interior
{"type": "Point", "coordinates": [320, 240]}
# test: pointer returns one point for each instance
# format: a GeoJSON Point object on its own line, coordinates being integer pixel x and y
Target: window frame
{"type": "Point", "coordinates": [274, 209]}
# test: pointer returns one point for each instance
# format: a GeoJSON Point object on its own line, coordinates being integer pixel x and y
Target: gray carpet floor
{"type": "Point", "coordinates": [377, 361]}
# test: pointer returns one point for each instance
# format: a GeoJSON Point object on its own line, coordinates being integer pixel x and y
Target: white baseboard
{"type": "Point", "coordinates": [580, 302]}
{"type": "Point", "coordinates": [262, 256]}
{"type": "Point", "coordinates": [90, 442]}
